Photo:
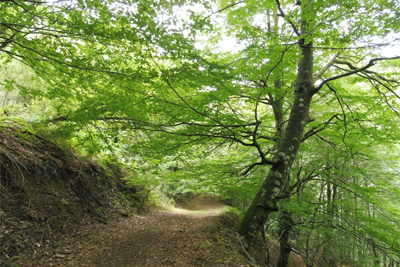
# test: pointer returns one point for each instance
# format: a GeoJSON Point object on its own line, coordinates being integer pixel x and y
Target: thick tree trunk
{"type": "Point", "coordinates": [266, 200]}
{"type": "Point", "coordinates": [285, 229]}
{"type": "Point", "coordinates": [271, 190]}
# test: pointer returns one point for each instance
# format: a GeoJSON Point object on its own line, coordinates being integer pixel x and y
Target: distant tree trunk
{"type": "Point", "coordinates": [371, 214]}
{"type": "Point", "coordinates": [328, 256]}
{"type": "Point", "coordinates": [331, 192]}
{"type": "Point", "coordinates": [376, 256]}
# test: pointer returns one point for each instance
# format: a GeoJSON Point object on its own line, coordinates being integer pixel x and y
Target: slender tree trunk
{"type": "Point", "coordinates": [285, 227]}
{"type": "Point", "coordinates": [376, 256]}
{"type": "Point", "coordinates": [328, 254]}
{"type": "Point", "coordinates": [377, 262]}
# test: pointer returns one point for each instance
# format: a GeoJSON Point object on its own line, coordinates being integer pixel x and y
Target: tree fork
{"type": "Point", "coordinates": [272, 189]}
{"type": "Point", "coordinates": [266, 200]}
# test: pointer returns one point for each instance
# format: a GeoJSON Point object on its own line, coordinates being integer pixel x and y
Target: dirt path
{"type": "Point", "coordinates": [179, 238]}
{"type": "Point", "coordinates": [201, 207]}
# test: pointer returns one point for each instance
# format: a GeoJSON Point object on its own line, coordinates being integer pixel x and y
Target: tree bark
{"type": "Point", "coordinates": [328, 255]}
{"type": "Point", "coordinates": [285, 228]}
{"type": "Point", "coordinates": [266, 199]}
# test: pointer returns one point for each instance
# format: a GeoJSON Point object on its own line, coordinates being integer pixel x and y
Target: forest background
{"type": "Point", "coordinates": [297, 126]}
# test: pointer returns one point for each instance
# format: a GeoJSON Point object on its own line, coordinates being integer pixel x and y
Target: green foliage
{"type": "Point", "coordinates": [146, 85]}
{"type": "Point", "coordinates": [10, 262]}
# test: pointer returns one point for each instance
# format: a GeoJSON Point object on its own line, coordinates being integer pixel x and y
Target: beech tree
{"type": "Point", "coordinates": [302, 72]}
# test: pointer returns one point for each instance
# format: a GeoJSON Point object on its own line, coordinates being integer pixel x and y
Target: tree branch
{"type": "Point", "coordinates": [268, 162]}
{"type": "Point", "coordinates": [341, 107]}
{"type": "Point", "coordinates": [46, 58]}
{"type": "Point", "coordinates": [222, 9]}
{"type": "Point", "coordinates": [325, 68]}
{"type": "Point", "coordinates": [315, 130]}
{"type": "Point", "coordinates": [370, 64]}
{"type": "Point", "coordinates": [7, 41]}
{"type": "Point", "coordinates": [283, 15]}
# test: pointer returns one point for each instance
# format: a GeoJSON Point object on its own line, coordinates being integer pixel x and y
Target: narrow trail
{"type": "Point", "coordinates": [182, 237]}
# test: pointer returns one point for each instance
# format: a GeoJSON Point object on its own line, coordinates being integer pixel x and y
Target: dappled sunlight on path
{"type": "Point", "coordinates": [200, 213]}
{"type": "Point", "coordinates": [202, 207]}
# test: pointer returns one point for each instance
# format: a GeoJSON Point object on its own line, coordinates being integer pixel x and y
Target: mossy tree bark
{"type": "Point", "coordinates": [271, 191]}
{"type": "Point", "coordinates": [285, 229]}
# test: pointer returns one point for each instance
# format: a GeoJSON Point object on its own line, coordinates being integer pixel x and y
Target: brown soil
{"type": "Point", "coordinates": [163, 239]}
{"type": "Point", "coordinates": [205, 238]}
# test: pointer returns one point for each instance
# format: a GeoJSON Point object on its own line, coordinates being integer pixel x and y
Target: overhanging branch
{"type": "Point", "coordinates": [222, 9]}
{"type": "Point", "coordinates": [370, 64]}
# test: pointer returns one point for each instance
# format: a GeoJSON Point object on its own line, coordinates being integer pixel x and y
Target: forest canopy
{"type": "Point", "coordinates": [290, 109]}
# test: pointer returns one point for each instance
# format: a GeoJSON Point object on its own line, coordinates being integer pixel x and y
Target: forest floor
{"type": "Point", "coordinates": [181, 237]}
{"type": "Point", "coordinates": [58, 209]}
{"type": "Point", "coordinates": [200, 234]}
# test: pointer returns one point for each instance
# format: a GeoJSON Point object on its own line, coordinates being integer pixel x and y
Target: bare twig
{"type": "Point", "coordinates": [222, 9]}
